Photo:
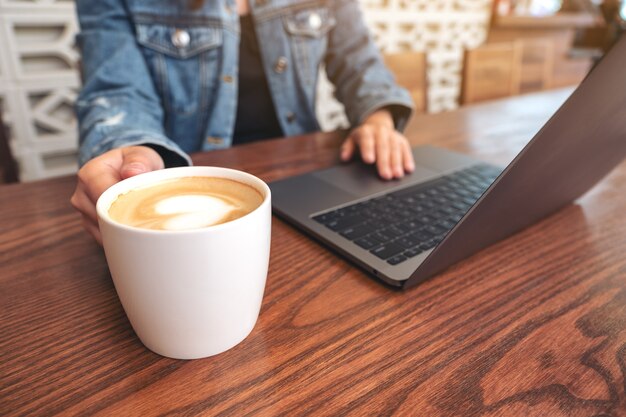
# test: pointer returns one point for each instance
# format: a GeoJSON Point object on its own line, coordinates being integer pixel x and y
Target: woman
{"type": "Point", "coordinates": [163, 78]}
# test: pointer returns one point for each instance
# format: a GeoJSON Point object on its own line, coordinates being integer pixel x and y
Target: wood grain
{"type": "Point", "coordinates": [532, 326]}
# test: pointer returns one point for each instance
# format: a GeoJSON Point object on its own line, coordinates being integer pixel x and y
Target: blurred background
{"type": "Point", "coordinates": [448, 53]}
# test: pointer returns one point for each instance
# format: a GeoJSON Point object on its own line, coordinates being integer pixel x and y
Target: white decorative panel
{"type": "Point", "coordinates": [38, 84]}
{"type": "Point", "coordinates": [441, 28]}
{"type": "Point", "coordinates": [330, 112]}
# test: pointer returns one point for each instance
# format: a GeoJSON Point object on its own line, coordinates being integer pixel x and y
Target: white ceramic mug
{"type": "Point", "coordinates": [194, 293]}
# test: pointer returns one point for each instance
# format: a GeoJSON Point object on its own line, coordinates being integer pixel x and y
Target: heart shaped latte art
{"type": "Point", "coordinates": [192, 211]}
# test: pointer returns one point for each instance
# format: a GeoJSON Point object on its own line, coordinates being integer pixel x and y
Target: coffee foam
{"type": "Point", "coordinates": [192, 211]}
{"type": "Point", "coordinates": [185, 203]}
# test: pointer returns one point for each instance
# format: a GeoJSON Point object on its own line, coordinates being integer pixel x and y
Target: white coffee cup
{"type": "Point", "coordinates": [193, 293]}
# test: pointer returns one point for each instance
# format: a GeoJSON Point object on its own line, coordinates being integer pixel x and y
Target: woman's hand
{"type": "Point", "coordinates": [378, 142]}
{"type": "Point", "coordinates": [105, 170]}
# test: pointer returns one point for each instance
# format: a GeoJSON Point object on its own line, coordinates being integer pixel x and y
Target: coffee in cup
{"type": "Point", "coordinates": [185, 203]}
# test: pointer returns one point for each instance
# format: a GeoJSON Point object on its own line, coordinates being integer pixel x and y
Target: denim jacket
{"type": "Point", "coordinates": [156, 72]}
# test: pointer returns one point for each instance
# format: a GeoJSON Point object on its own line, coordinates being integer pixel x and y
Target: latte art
{"type": "Point", "coordinates": [185, 203]}
{"type": "Point", "coordinates": [192, 211]}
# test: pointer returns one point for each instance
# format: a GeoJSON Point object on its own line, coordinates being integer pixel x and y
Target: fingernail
{"type": "Point", "coordinates": [134, 168]}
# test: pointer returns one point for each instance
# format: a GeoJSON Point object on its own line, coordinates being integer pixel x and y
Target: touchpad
{"type": "Point", "coordinates": [361, 179]}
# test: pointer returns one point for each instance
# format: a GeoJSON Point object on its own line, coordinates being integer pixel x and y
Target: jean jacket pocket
{"type": "Point", "coordinates": [181, 43]}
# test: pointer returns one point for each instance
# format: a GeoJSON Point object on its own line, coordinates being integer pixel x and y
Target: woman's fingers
{"type": "Point", "coordinates": [395, 158]}
{"type": "Point", "coordinates": [92, 229]}
{"type": "Point", "coordinates": [97, 175]}
{"type": "Point", "coordinates": [366, 142]}
{"type": "Point", "coordinates": [382, 145]}
{"type": "Point", "coordinates": [383, 154]}
{"type": "Point", "coordinates": [407, 155]}
{"type": "Point", "coordinates": [81, 202]}
{"type": "Point", "coordinates": [347, 149]}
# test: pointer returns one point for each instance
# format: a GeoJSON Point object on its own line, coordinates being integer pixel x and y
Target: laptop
{"type": "Point", "coordinates": [403, 232]}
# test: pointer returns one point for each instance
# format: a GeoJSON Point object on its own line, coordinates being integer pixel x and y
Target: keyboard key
{"type": "Point", "coordinates": [434, 229]}
{"type": "Point", "coordinates": [381, 237]}
{"type": "Point", "coordinates": [457, 188]}
{"type": "Point", "coordinates": [448, 210]}
{"type": "Point", "coordinates": [428, 245]}
{"type": "Point", "coordinates": [420, 209]}
{"type": "Point", "coordinates": [407, 242]}
{"type": "Point", "coordinates": [387, 250]}
{"type": "Point", "coordinates": [456, 218]}
{"type": "Point", "coordinates": [410, 226]}
{"type": "Point", "coordinates": [469, 201]}
{"type": "Point", "coordinates": [439, 238]}
{"type": "Point", "coordinates": [356, 232]}
{"type": "Point", "coordinates": [391, 218]}
{"type": "Point", "coordinates": [393, 231]}
{"type": "Point", "coordinates": [345, 222]}
{"type": "Point", "coordinates": [447, 224]}
{"type": "Point", "coordinates": [461, 206]}
{"type": "Point", "coordinates": [370, 213]}
{"type": "Point", "coordinates": [440, 214]}
{"type": "Point", "coordinates": [406, 214]}
{"type": "Point", "coordinates": [422, 235]}
{"type": "Point", "coordinates": [475, 190]}
{"type": "Point", "coordinates": [464, 192]}
{"type": "Point", "coordinates": [426, 219]}
{"type": "Point", "coordinates": [397, 259]}
{"type": "Point", "coordinates": [325, 218]}
{"type": "Point", "coordinates": [377, 225]}
{"type": "Point", "coordinates": [412, 252]}
{"type": "Point", "coordinates": [367, 243]}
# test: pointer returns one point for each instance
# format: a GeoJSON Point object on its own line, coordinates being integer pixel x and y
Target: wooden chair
{"type": "Point", "coordinates": [409, 68]}
{"type": "Point", "coordinates": [537, 64]}
{"type": "Point", "coordinates": [8, 167]}
{"type": "Point", "coordinates": [491, 71]}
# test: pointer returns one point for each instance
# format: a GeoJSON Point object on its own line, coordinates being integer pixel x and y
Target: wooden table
{"type": "Point", "coordinates": [532, 326]}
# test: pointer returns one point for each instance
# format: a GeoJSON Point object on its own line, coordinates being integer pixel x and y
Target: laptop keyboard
{"type": "Point", "coordinates": [402, 224]}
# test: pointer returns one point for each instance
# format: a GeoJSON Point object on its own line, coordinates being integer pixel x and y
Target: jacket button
{"type": "Point", "coordinates": [290, 117]}
{"type": "Point", "coordinates": [280, 65]}
{"type": "Point", "coordinates": [214, 141]}
{"type": "Point", "coordinates": [181, 38]}
{"type": "Point", "coordinates": [315, 21]}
